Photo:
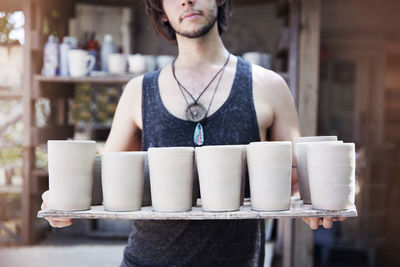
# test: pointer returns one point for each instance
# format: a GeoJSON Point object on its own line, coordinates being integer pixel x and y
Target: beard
{"type": "Point", "coordinates": [203, 30]}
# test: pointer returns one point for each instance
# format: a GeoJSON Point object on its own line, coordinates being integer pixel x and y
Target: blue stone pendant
{"type": "Point", "coordinates": [198, 137]}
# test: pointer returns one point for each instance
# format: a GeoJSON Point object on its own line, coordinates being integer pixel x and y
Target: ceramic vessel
{"type": "Point", "coordinates": [70, 165]}
{"type": "Point", "coordinates": [171, 178]}
{"type": "Point", "coordinates": [308, 139]}
{"type": "Point", "coordinates": [117, 63]}
{"type": "Point", "coordinates": [220, 175]}
{"type": "Point", "coordinates": [137, 63]}
{"type": "Point", "coordinates": [311, 139]}
{"type": "Point", "coordinates": [331, 170]}
{"type": "Point", "coordinates": [122, 180]}
{"type": "Point", "coordinates": [302, 170]}
{"type": "Point", "coordinates": [80, 62]}
{"type": "Point", "coordinates": [97, 191]}
{"type": "Point", "coordinates": [270, 174]}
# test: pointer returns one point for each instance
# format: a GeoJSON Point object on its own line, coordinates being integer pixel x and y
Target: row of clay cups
{"type": "Point", "coordinates": [326, 172]}
{"type": "Point", "coordinates": [172, 170]}
{"type": "Point", "coordinates": [220, 172]}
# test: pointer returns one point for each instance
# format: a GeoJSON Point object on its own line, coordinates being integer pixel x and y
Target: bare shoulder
{"type": "Point", "coordinates": [270, 85]}
{"type": "Point", "coordinates": [131, 98]}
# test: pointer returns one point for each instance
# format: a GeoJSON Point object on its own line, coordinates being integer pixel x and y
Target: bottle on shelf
{"type": "Point", "coordinates": [64, 48]}
{"type": "Point", "coordinates": [107, 48]}
{"type": "Point", "coordinates": [50, 57]}
{"type": "Point", "coordinates": [92, 46]}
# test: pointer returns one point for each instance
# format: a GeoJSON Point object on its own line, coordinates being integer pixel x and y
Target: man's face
{"type": "Point", "coordinates": [191, 19]}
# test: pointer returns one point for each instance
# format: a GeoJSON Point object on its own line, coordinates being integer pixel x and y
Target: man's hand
{"type": "Point", "coordinates": [326, 222]}
{"type": "Point", "coordinates": [55, 222]}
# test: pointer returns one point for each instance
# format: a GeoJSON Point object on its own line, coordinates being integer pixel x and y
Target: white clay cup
{"type": "Point", "coordinates": [302, 169]}
{"type": "Point", "coordinates": [171, 178]}
{"type": "Point", "coordinates": [220, 176]}
{"type": "Point", "coordinates": [331, 170]}
{"type": "Point", "coordinates": [122, 180]}
{"type": "Point", "coordinates": [270, 169]}
{"type": "Point", "coordinates": [70, 165]}
{"type": "Point", "coordinates": [312, 139]}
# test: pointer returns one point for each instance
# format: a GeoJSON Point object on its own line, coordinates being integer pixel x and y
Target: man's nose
{"type": "Point", "coordinates": [187, 2]}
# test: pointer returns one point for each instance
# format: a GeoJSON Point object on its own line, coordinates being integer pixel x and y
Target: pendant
{"type": "Point", "coordinates": [198, 137]}
{"type": "Point", "coordinates": [195, 112]}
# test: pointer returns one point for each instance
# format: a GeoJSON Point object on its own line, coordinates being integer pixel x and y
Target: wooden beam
{"type": "Point", "coordinates": [309, 66]}
{"type": "Point", "coordinates": [27, 234]}
{"type": "Point", "coordinates": [294, 29]}
{"type": "Point", "coordinates": [54, 132]}
{"type": "Point", "coordinates": [10, 5]}
{"type": "Point", "coordinates": [298, 237]}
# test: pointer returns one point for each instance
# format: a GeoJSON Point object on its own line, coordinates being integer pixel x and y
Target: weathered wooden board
{"type": "Point", "coordinates": [297, 210]}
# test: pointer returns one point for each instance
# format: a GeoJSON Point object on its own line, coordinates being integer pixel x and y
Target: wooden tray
{"type": "Point", "coordinates": [297, 210]}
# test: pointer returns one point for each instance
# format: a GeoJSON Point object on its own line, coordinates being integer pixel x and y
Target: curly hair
{"type": "Point", "coordinates": [155, 11]}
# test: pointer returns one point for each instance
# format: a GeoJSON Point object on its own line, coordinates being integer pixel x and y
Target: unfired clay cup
{"type": "Point", "coordinates": [331, 170]}
{"type": "Point", "coordinates": [302, 170]}
{"type": "Point", "coordinates": [220, 174]}
{"type": "Point", "coordinates": [270, 174]}
{"type": "Point", "coordinates": [70, 166]}
{"type": "Point", "coordinates": [308, 139]}
{"type": "Point", "coordinates": [311, 139]}
{"type": "Point", "coordinates": [122, 180]}
{"type": "Point", "coordinates": [171, 178]}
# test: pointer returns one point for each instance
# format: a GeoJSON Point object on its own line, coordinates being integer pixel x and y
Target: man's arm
{"type": "Point", "coordinates": [125, 134]}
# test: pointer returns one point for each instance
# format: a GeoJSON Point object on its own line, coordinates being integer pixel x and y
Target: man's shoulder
{"type": "Point", "coordinates": [267, 80]}
{"type": "Point", "coordinates": [263, 74]}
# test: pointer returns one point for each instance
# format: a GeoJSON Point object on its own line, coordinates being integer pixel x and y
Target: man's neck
{"type": "Point", "coordinates": [198, 53]}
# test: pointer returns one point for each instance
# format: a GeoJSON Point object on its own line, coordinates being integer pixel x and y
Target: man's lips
{"type": "Point", "coordinates": [190, 14]}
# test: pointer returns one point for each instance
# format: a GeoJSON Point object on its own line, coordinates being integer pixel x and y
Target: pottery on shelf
{"type": "Point", "coordinates": [220, 175]}
{"type": "Point", "coordinates": [302, 170]}
{"type": "Point", "coordinates": [171, 178]}
{"type": "Point", "coordinates": [70, 165]}
{"type": "Point", "coordinates": [270, 174]}
{"type": "Point", "coordinates": [122, 180]}
{"type": "Point", "coordinates": [331, 171]}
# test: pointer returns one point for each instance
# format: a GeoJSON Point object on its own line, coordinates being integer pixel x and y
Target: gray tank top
{"type": "Point", "coordinates": [206, 242]}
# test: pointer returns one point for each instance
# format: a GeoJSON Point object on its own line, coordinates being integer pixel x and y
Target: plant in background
{"type": "Point", "coordinates": [7, 26]}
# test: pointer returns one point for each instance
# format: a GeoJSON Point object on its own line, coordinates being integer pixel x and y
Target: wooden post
{"type": "Point", "coordinates": [298, 237]}
{"type": "Point", "coordinates": [309, 66]}
{"type": "Point", "coordinates": [29, 7]}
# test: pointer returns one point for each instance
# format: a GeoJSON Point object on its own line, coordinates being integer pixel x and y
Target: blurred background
{"type": "Point", "coordinates": [340, 58]}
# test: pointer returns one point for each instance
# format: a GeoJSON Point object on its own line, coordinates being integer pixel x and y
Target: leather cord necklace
{"type": "Point", "coordinates": [195, 111]}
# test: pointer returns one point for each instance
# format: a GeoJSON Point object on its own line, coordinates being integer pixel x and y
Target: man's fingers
{"type": "Point", "coordinates": [314, 223]}
{"type": "Point", "coordinates": [59, 222]}
{"type": "Point", "coordinates": [327, 222]}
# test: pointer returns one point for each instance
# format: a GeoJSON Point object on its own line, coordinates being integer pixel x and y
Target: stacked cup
{"type": "Point", "coordinates": [331, 169]}
{"type": "Point", "coordinates": [300, 155]}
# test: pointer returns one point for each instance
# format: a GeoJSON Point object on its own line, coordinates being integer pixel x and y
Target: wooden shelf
{"type": "Point", "coordinates": [11, 189]}
{"type": "Point", "coordinates": [297, 210]}
{"type": "Point", "coordinates": [6, 94]}
{"type": "Point", "coordinates": [109, 79]}
{"type": "Point", "coordinates": [40, 173]}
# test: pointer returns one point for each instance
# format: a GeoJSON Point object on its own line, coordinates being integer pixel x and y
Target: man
{"type": "Point", "coordinates": [205, 97]}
